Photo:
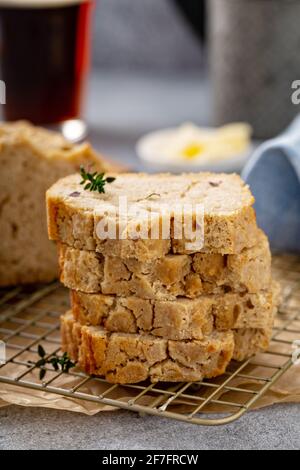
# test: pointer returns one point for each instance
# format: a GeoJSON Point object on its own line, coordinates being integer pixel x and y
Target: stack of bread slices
{"type": "Point", "coordinates": [162, 307]}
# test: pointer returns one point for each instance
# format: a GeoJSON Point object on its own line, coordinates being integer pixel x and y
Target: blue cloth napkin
{"type": "Point", "coordinates": [273, 174]}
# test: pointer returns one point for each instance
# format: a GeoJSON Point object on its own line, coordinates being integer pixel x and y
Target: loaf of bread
{"type": "Point", "coordinates": [178, 319]}
{"type": "Point", "coordinates": [131, 358]}
{"type": "Point", "coordinates": [31, 160]}
{"type": "Point", "coordinates": [229, 223]}
{"type": "Point", "coordinates": [169, 276]}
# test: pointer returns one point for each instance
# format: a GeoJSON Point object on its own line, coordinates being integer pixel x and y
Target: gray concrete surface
{"type": "Point", "coordinates": [277, 427]}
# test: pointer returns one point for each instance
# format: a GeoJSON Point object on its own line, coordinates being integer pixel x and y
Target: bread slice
{"type": "Point", "coordinates": [128, 358]}
{"type": "Point", "coordinates": [182, 319]}
{"type": "Point", "coordinates": [131, 358]}
{"type": "Point", "coordinates": [31, 160]}
{"type": "Point", "coordinates": [170, 276]}
{"type": "Point", "coordinates": [147, 225]}
{"type": "Point", "coordinates": [249, 342]}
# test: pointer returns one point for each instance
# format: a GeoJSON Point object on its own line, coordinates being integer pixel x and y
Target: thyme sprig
{"type": "Point", "coordinates": [62, 363]}
{"type": "Point", "coordinates": [94, 181]}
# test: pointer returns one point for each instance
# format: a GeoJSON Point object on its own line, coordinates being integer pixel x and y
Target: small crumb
{"type": "Point", "coordinates": [215, 184]}
{"type": "Point", "coordinates": [75, 194]}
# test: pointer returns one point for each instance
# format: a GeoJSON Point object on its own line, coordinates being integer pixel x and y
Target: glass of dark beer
{"type": "Point", "coordinates": [44, 58]}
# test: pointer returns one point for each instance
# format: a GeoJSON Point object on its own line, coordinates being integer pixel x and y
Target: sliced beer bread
{"type": "Point", "coordinates": [74, 214]}
{"type": "Point", "coordinates": [178, 319]}
{"type": "Point", "coordinates": [130, 358]}
{"type": "Point", "coordinates": [31, 160]}
{"type": "Point", "coordinates": [167, 277]}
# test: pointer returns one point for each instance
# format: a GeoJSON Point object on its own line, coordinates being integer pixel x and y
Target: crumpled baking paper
{"type": "Point", "coordinates": [285, 390]}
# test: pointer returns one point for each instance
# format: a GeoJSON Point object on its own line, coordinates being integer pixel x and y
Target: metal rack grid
{"type": "Point", "coordinates": [30, 316]}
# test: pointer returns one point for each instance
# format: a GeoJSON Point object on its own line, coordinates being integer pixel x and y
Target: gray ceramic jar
{"type": "Point", "coordinates": [255, 58]}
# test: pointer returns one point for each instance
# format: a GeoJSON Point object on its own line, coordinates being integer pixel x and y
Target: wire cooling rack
{"type": "Point", "coordinates": [30, 317]}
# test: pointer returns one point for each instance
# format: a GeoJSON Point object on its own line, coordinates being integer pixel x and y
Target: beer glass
{"type": "Point", "coordinates": [44, 59]}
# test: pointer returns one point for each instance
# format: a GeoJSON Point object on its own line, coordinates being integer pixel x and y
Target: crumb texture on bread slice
{"type": "Point", "coordinates": [249, 342]}
{"type": "Point", "coordinates": [229, 218]}
{"type": "Point", "coordinates": [170, 276]}
{"type": "Point", "coordinates": [131, 358]}
{"type": "Point", "coordinates": [175, 319]}
{"type": "Point", "coordinates": [128, 358]}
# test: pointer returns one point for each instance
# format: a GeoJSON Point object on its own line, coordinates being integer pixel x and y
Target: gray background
{"type": "Point", "coordinates": [143, 34]}
{"type": "Point", "coordinates": [149, 72]}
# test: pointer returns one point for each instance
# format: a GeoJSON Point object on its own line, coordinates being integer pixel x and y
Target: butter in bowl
{"type": "Point", "coordinates": [192, 148]}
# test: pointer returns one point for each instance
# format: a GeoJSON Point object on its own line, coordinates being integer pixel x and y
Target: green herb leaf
{"type": "Point", "coordinates": [94, 181]}
{"type": "Point", "coordinates": [62, 363]}
{"type": "Point", "coordinates": [68, 365]}
{"type": "Point", "coordinates": [42, 373]}
{"type": "Point", "coordinates": [41, 351]}
{"type": "Point", "coordinates": [54, 361]}
{"type": "Point", "coordinates": [40, 363]}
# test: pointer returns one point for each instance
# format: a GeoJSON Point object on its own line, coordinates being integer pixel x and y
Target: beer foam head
{"type": "Point", "coordinates": [40, 3]}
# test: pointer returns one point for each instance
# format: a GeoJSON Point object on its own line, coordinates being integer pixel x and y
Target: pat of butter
{"type": "Point", "coordinates": [192, 143]}
{"type": "Point", "coordinates": [193, 150]}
